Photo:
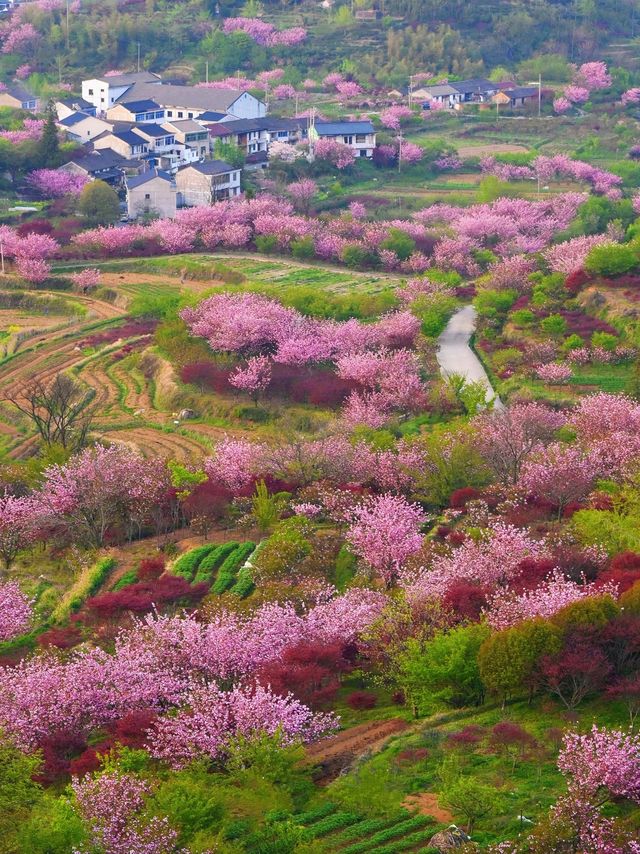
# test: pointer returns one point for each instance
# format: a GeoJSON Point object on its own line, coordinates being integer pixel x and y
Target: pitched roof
{"type": "Point", "coordinates": [521, 91]}
{"type": "Point", "coordinates": [153, 130]}
{"type": "Point", "coordinates": [337, 128]}
{"type": "Point", "coordinates": [184, 126]}
{"type": "Point", "coordinates": [477, 84]}
{"type": "Point", "coordinates": [438, 91]}
{"type": "Point", "coordinates": [130, 79]}
{"type": "Point", "coordinates": [140, 106]}
{"type": "Point", "coordinates": [129, 137]}
{"type": "Point", "coordinates": [76, 103]}
{"type": "Point", "coordinates": [16, 90]}
{"type": "Point", "coordinates": [211, 116]}
{"type": "Point", "coordinates": [96, 161]}
{"type": "Point", "coordinates": [210, 167]}
{"type": "Point", "coordinates": [220, 129]}
{"type": "Point", "coordinates": [138, 180]}
{"type": "Point", "coordinates": [189, 97]}
{"type": "Point", "coordinates": [74, 119]}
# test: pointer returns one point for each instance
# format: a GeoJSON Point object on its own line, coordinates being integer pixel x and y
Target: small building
{"type": "Point", "coordinates": [151, 193]}
{"type": "Point", "coordinates": [191, 134]}
{"type": "Point", "coordinates": [18, 97]}
{"type": "Point", "coordinates": [360, 136]}
{"type": "Point", "coordinates": [189, 102]}
{"type": "Point", "coordinates": [103, 92]}
{"type": "Point", "coordinates": [126, 143]}
{"type": "Point", "coordinates": [105, 165]}
{"type": "Point", "coordinates": [520, 96]}
{"type": "Point", "coordinates": [137, 112]}
{"type": "Point", "coordinates": [73, 105]}
{"type": "Point", "coordinates": [477, 90]}
{"type": "Point", "coordinates": [205, 183]}
{"type": "Point", "coordinates": [81, 127]}
{"type": "Point", "coordinates": [442, 93]}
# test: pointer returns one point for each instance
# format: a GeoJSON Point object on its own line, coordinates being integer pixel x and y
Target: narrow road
{"type": "Point", "coordinates": [455, 356]}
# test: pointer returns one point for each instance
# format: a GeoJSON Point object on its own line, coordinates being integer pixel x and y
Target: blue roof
{"type": "Point", "coordinates": [141, 106]}
{"type": "Point", "coordinates": [211, 116]}
{"type": "Point", "coordinates": [138, 180]}
{"type": "Point", "coordinates": [130, 138]}
{"type": "Point", "coordinates": [154, 130]}
{"type": "Point", "coordinates": [337, 128]}
{"type": "Point", "coordinates": [74, 118]}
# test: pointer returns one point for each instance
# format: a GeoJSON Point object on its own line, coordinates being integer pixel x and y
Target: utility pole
{"type": "Point", "coordinates": [399, 150]}
{"type": "Point", "coordinates": [539, 95]}
{"type": "Point", "coordinates": [410, 90]}
{"type": "Point", "coordinates": [2, 269]}
{"type": "Point", "coordinates": [206, 71]}
{"type": "Point", "coordinates": [67, 21]}
{"type": "Point", "coordinates": [138, 45]}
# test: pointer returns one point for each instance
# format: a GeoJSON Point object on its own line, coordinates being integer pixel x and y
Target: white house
{"type": "Point", "coordinates": [103, 92]}
{"type": "Point", "coordinates": [152, 192]}
{"type": "Point", "coordinates": [207, 182]}
{"type": "Point", "coordinates": [80, 127]}
{"type": "Point", "coordinates": [359, 136]}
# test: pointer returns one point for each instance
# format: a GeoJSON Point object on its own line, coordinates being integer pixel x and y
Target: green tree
{"type": "Point", "coordinates": [399, 242]}
{"type": "Point", "coordinates": [230, 153]}
{"type": "Point", "coordinates": [469, 798]}
{"type": "Point", "coordinates": [444, 671]}
{"type": "Point", "coordinates": [284, 551]}
{"type": "Point", "coordinates": [267, 508]}
{"type": "Point", "coordinates": [99, 203]}
{"type": "Point", "coordinates": [611, 259]}
{"type": "Point", "coordinates": [49, 144]}
{"type": "Point", "coordinates": [507, 659]}
{"type": "Point", "coordinates": [18, 793]}
{"type": "Point", "coordinates": [554, 324]}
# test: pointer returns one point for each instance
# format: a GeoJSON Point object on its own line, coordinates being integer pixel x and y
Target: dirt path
{"type": "Point", "coordinates": [334, 754]}
{"type": "Point", "coordinates": [426, 803]}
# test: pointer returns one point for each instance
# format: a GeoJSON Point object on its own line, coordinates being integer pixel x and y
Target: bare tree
{"type": "Point", "coordinates": [59, 410]}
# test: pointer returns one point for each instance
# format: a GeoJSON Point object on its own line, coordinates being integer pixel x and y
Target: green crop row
{"type": "Point", "coordinates": [213, 560]}
{"type": "Point", "coordinates": [404, 844]}
{"type": "Point", "coordinates": [244, 585]}
{"type": "Point", "coordinates": [188, 563]}
{"type": "Point", "coordinates": [363, 828]}
{"type": "Point", "coordinates": [399, 829]}
{"type": "Point", "coordinates": [336, 821]}
{"type": "Point", "coordinates": [128, 578]}
{"type": "Point", "coordinates": [310, 816]}
{"type": "Point", "coordinates": [229, 569]}
{"type": "Point", "coordinates": [86, 585]}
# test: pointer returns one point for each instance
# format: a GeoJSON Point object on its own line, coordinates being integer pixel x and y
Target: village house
{"type": "Point", "coordinates": [81, 127]}
{"type": "Point", "coordinates": [189, 102]}
{"type": "Point", "coordinates": [18, 97]}
{"type": "Point", "coordinates": [126, 143]}
{"type": "Point", "coordinates": [137, 112]}
{"type": "Point", "coordinates": [207, 182]}
{"type": "Point", "coordinates": [73, 105]}
{"type": "Point", "coordinates": [520, 96]}
{"type": "Point", "coordinates": [103, 92]}
{"type": "Point", "coordinates": [105, 165]}
{"type": "Point", "coordinates": [360, 136]}
{"type": "Point", "coordinates": [153, 193]}
{"type": "Point", "coordinates": [443, 93]}
{"type": "Point", "coordinates": [192, 135]}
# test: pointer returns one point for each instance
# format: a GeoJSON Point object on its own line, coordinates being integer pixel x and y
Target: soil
{"type": "Point", "coordinates": [333, 755]}
{"type": "Point", "coordinates": [426, 803]}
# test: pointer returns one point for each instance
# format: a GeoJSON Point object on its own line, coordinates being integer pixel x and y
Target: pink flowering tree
{"type": "Point", "coordinates": [254, 377]}
{"type": "Point", "coordinates": [101, 488]}
{"type": "Point", "coordinates": [284, 91]}
{"type": "Point", "coordinates": [86, 279]}
{"type": "Point", "coordinates": [560, 474]}
{"type": "Point", "coordinates": [112, 806]}
{"type": "Point", "coordinates": [337, 153]}
{"type": "Point", "coordinates": [384, 532]}
{"type": "Point", "coordinates": [393, 116]}
{"type": "Point", "coordinates": [213, 718]}
{"type": "Point", "coordinates": [302, 192]}
{"type": "Point", "coordinates": [264, 33]}
{"type": "Point", "coordinates": [508, 437]}
{"type": "Point", "coordinates": [54, 183]}
{"type": "Point", "coordinates": [348, 88]}
{"type": "Point", "coordinates": [576, 94]}
{"type": "Point", "coordinates": [23, 71]}
{"type": "Point", "coordinates": [554, 373]}
{"type": "Point", "coordinates": [19, 521]}
{"type": "Point", "coordinates": [593, 75]}
{"type": "Point", "coordinates": [15, 611]}
{"type": "Point", "coordinates": [602, 764]}
{"type": "Point", "coordinates": [631, 96]}
{"type": "Point", "coordinates": [561, 105]}
{"type": "Point", "coordinates": [20, 38]}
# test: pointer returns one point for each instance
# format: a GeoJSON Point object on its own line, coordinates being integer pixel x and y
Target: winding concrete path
{"type": "Point", "coordinates": [455, 355]}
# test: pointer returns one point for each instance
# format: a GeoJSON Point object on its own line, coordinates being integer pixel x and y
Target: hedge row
{"type": "Point", "coordinates": [406, 843]}
{"type": "Point", "coordinates": [316, 814]}
{"type": "Point", "coordinates": [244, 585]}
{"type": "Point", "coordinates": [128, 578]}
{"type": "Point", "coordinates": [213, 560]}
{"type": "Point", "coordinates": [188, 563]}
{"type": "Point", "coordinates": [365, 828]}
{"type": "Point", "coordinates": [89, 583]}
{"type": "Point", "coordinates": [229, 569]}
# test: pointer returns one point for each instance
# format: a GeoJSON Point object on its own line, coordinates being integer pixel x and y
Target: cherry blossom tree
{"type": "Point", "coordinates": [20, 38]}
{"type": "Point", "coordinates": [112, 806]}
{"type": "Point", "coordinates": [554, 373]}
{"type": "Point", "coordinates": [631, 96]}
{"type": "Point", "coordinates": [86, 279]}
{"type": "Point", "coordinates": [54, 183]}
{"type": "Point", "coordinates": [302, 192]}
{"type": "Point", "coordinates": [560, 474]}
{"type": "Point", "coordinates": [340, 155]}
{"type": "Point", "coordinates": [15, 611]}
{"type": "Point", "coordinates": [508, 437]}
{"type": "Point", "coordinates": [593, 75]}
{"type": "Point", "coordinates": [576, 94]}
{"type": "Point", "coordinates": [384, 532]}
{"type": "Point", "coordinates": [561, 105]}
{"type": "Point", "coordinates": [254, 377]}
{"type": "Point", "coordinates": [393, 116]}
{"type": "Point", "coordinates": [602, 763]}
{"type": "Point", "coordinates": [19, 519]}
{"type": "Point", "coordinates": [213, 717]}
{"type": "Point", "coordinates": [348, 88]}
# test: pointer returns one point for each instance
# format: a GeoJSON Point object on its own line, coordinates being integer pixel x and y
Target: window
{"type": "Point", "coordinates": [139, 117]}
{"type": "Point", "coordinates": [159, 114]}
{"type": "Point", "coordinates": [147, 196]}
{"type": "Point", "coordinates": [361, 137]}
{"type": "Point", "coordinates": [348, 140]}
{"type": "Point", "coordinates": [91, 91]}
{"type": "Point", "coordinates": [170, 113]}
{"type": "Point", "coordinates": [180, 114]}
{"type": "Point", "coordinates": [190, 115]}
{"type": "Point", "coordinates": [149, 115]}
